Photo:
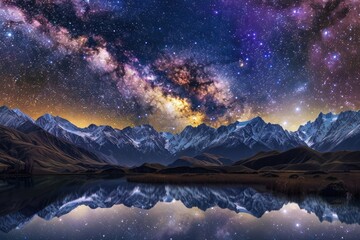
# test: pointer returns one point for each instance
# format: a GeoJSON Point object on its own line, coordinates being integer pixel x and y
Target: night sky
{"type": "Point", "coordinates": [173, 63]}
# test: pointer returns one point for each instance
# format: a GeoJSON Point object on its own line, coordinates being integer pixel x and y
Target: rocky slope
{"type": "Point", "coordinates": [38, 152]}
{"type": "Point", "coordinates": [331, 132]}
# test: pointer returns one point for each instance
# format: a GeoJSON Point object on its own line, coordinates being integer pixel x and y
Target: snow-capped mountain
{"type": "Point", "coordinates": [130, 146]}
{"type": "Point", "coordinates": [13, 118]}
{"type": "Point", "coordinates": [134, 146]}
{"type": "Point", "coordinates": [143, 144]}
{"type": "Point", "coordinates": [237, 140]}
{"type": "Point", "coordinates": [331, 132]}
{"type": "Point", "coordinates": [314, 132]}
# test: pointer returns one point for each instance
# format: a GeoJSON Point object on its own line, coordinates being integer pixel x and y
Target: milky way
{"type": "Point", "coordinates": [180, 62]}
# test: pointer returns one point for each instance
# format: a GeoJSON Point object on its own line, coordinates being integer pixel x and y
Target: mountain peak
{"type": "Point", "coordinates": [92, 126]}
{"type": "Point", "coordinates": [204, 126]}
{"type": "Point", "coordinates": [46, 116]}
{"type": "Point", "coordinates": [18, 112]}
{"type": "Point", "coordinates": [50, 118]}
{"type": "Point", "coordinates": [4, 108]}
{"type": "Point", "coordinates": [327, 115]}
{"type": "Point", "coordinates": [257, 120]}
{"type": "Point", "coordinates": [325, 118]}
{"type": "Point", "coordinates": [48, 121]}
{"type": "Point", "coordinates": [332, 131]}
{"type": "Point", "coordinates": [13, 118]}
{"type": "Point", "coordinates": [349, 114]}
{"type": "Point", "coordinates": [106, 128]}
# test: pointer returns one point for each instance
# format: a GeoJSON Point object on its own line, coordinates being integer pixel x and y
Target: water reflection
{"type": "Point", "coordinates": [47, 200]}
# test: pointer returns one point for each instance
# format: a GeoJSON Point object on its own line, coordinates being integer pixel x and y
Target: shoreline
{"type": "Point", "coordinates": [337, 184]}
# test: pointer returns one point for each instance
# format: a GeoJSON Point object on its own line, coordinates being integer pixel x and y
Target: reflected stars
{"type": "Point", "coordinates": [174, 220]}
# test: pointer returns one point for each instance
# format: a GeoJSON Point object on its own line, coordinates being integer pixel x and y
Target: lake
{"type": "Point", "coordinates": [82, 207]}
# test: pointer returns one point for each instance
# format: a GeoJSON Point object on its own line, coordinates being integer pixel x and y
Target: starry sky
{"type": "Point", "coordinates": [172, 63]}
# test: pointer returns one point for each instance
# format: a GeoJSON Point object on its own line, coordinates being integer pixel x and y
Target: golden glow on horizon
{"type": "Point", "coordinates": [290, 120]}
{"type": "Point", "coordinates": [292, 117]}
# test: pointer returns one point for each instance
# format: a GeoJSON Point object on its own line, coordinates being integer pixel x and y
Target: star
{"type": "Point", "coordinates": [172, 65]}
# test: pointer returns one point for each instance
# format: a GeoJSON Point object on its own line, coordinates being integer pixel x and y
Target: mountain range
{"type": "Point", "coordinates": [133, 146]}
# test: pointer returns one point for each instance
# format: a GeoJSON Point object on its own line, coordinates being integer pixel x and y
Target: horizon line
{"type": "Point", "coordinates": [147, 124]}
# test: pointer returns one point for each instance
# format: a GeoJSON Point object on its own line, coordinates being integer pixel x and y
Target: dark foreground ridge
{"type": "Point", "coordinates": [38, 152]}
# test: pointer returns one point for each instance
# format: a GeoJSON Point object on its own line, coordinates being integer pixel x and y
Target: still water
{"type": "Point", "coordinates": [98, 208]}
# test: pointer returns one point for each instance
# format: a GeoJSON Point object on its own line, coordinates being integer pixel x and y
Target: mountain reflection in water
{"type": "Point", "coordinates": [55, 207]}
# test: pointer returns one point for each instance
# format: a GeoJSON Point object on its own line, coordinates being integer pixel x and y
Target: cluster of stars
{"type": "Point", "coordinates": [179, 63]}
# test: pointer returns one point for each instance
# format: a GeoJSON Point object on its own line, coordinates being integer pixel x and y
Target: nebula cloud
{"type": "Point", "coordinates": [172, 65]}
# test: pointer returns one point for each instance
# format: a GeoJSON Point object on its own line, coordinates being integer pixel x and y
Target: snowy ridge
{"type": "Point", "coordinates": [250, 136]}
{"type": "Point", "coordinates": [13, 118]}
{"type": "Point", "coordinates": [137, 145]}
{"type": "Point", "coordinates": [330, 132]}
{"type": "Point", "coordinates": [313, 132]}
